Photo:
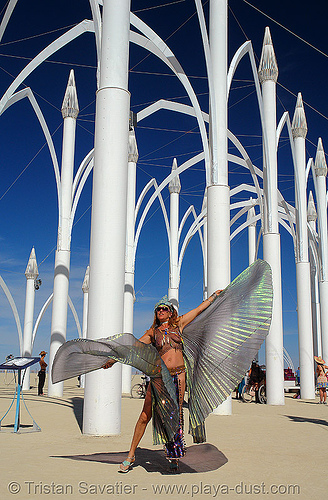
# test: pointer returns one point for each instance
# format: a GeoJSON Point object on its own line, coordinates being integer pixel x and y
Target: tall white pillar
{"type": "Point", "coordinates": [31, 274]}
{"type": "Point", "coordinates": [218, 193]}
{"type": "Point", "coordinates": [174, 188]}
{"type": "Point", "coordinates": [268, 75]}
{"type": "Point", "coordinates": [85, 290]}
{"type": "Point", "coordinates": [103, 388]}
{"type": "Point", "coordinates": [251, 236]}
{"type": "Point", "coordinates": [316, 324]}
{"type": "Point", "coordinates": [321, 194]}
{"type": "Point", "coordinates": [303, 271]}
{"type": "Point", "coordinates": [70, 111]}
{"type": "Point", "coordinates": [205, 289]}
{"type": "Point", "coordinates": [129, 296]}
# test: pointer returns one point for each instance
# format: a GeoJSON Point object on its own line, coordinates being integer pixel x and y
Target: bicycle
{"type": "Point", "coordinates": [248, 393]}
{"type": "Point", "coordinates": [139, 390]}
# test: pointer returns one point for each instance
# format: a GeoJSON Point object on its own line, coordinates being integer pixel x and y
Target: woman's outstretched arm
{"type": "Point", "coordinates": [187, 318]}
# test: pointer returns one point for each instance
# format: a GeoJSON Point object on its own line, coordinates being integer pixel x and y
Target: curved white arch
{"type": "Point", "coordinates": [196, 226]}
{"type": "Point", "coordinates": [191, 210]}
{"type": "Point", "coordinates": [96, 16]}
{"type": "Point", "coordinates": [189, 163]}
{"type": "Point", "coordinates": [45, 307]}
{"type": "Point", "coordinates": [151, 183]}
{"type": "Point", "coordinates": [10, 7]}
{"type": "Point", "coordinates": [40, 315]}
{"type": "Point", "coordinates": [77, 322]}
{"type": "Point", "coordinates": [288, 359]}
{"type": "Point", "coordinates": [153, 43]}
{"type": "Point", "coordinates": [179, 108]}
{"type": "Point", "coordinates": [27, 92]}
{"type": "Point", "coordinates": [83, 27]}
{"type": "Point", "coordinates": [86, 174]}
{"type": "Point", "coordinates": [244, 225]}
{"type": "Point", "coordinates": [15, 312]}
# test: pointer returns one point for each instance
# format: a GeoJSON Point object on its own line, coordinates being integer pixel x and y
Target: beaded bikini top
{"type": "Point", "coordinates": [169, 338]}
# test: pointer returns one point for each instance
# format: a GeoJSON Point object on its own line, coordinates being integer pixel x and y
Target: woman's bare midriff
{"type": "Point", "coordinates": [173, 358]}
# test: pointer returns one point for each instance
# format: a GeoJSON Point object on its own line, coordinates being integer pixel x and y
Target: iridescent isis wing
{"type": "Point", "coordinates": [83, 355]}
{"type": "Point", "coordinates": [221, 342]}
{"type": "Point", "coordinates": [79, 356]}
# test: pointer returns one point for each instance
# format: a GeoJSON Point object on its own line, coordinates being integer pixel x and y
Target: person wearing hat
{"type": "Point", "coordinates": [322, 381]}
{"type": "Point", "coordinates": [42, 373]}
{"type": "Point", "coordinates": [165, 335]}
{"type": "Point", "coordinates": [206, 350]}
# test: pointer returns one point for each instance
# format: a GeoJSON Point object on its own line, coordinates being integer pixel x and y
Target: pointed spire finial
{"type": "Point", "coordinates": [70, 106]}
{"type": "Point", "coordinates": [299, 125]}
{"type": "Point", "coordinates": [268, 68]}
{"type": "Point", "coordinates": [175, 184]}
{"type": "Point", "coordinates": [320, 165]}
{"type": "Point", "coordinates": [133, 154]}
{"type": "Point", "coordinates": [85, 285]}
{"type": "Point", "coordinates": [311, 211]}
{"type": "Point", "coordinates": [32, 266]}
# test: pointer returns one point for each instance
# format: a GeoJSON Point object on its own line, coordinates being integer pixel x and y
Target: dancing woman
{"type": "Point", "coordinates": [165, 335]}
{"type": "Point", "coordinates": [206, 351]}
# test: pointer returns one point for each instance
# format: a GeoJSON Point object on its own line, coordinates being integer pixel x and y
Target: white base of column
{"type": "Point", "coordinates": [102, 402]}
{"type": "Point", "coordinates": [26, 382]}
{"type": "Point", "coordinates": [323, 289]}
{"type": "Point", "coordinates": [224, 408]}
{"type": "Point", "coordinates": [126, 379]}
{"type": "Point", "coordinates": [305, 337]}
{"type": "Point", "coordinates": [274, 358]}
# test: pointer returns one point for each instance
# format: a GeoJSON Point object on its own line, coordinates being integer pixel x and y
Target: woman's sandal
{"type": "Point", "coordinates": [174, 465]}
{"type": "Point", "coordinates": [127, 464]}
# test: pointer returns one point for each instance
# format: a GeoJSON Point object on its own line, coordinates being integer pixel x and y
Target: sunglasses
{"type": "Point", "coordinates": [162, 309]}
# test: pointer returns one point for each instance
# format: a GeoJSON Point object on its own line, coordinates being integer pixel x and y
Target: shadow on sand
{"type": "Point", "coordinates": [319, 421]}
{"type": "Point", "coordinates": [199, 458]}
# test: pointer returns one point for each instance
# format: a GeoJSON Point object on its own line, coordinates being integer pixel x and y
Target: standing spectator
{"type": "Point", "coordinates": [42, 373]}
{"type": "Point", "coordinates": [298, 376]}
{"type": "Point", "coordinates": [322, 381]}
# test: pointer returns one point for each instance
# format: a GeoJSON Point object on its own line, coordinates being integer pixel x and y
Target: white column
{"type": "Point", "coordinates": [85, 290]}
{"type": "Point", "coordinates": [102, 397]}
{"type": "Point", "coordinates": [70, 110]}
{"type": "Point", "coordinates": [268, 75]}
{"type": "Point", "coordinates": [303, 271]}
{"type": "Point", "coordinates": [31, 274]}
{"type": "Point", "coordinates": [321, 193]}
{"type": "Point", "coordinates": [129, 296]}
{"type": "Point", "coordinates": [251, 236]}
{"type": "Point", "coordinates": [316, 324]}
{"type": "Point", "coordinates": [218, 194]}
{"type": "Point", "coordinates": [174, 188]}
{"type": "Point", "coordinates": [205, 289]}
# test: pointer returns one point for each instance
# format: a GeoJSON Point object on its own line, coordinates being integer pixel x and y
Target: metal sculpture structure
{"type": "Point", "coordinates": [114, 240]}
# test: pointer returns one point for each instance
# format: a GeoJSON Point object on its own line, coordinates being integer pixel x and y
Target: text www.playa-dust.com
{"type": "Point", "coordinates": [119, 488]}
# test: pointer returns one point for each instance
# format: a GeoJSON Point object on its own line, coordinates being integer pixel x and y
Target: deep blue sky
{"type": "Point", "coordinates": [28, 200]}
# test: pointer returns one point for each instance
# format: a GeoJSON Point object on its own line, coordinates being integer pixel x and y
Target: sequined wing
{"type": "Point", "coordinates": [83, 355]}
{"type": "Point", "coordinates": [222, 341]}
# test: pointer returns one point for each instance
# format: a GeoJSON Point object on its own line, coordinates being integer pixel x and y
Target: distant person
{"type": "Point", "coordinates": [298, 376]}
{"type": "Point", "coordinates": [256, 376]}
{"type": "Point", "coordinates": [322, 381]}
{"type": "Point", "coordinates": [42, 373]}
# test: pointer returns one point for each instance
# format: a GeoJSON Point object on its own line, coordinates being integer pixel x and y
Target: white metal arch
{"type": "Point", "coordinates": [45, 307]}
{"type": "Point", "coordinates": [15, 313]}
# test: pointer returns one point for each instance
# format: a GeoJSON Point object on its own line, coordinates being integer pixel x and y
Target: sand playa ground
{"type": "Point", "coordinates": [260, 451]}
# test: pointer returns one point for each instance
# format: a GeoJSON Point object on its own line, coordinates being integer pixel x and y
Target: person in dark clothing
{"type": "Point", "coordinates": [42, 373]}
